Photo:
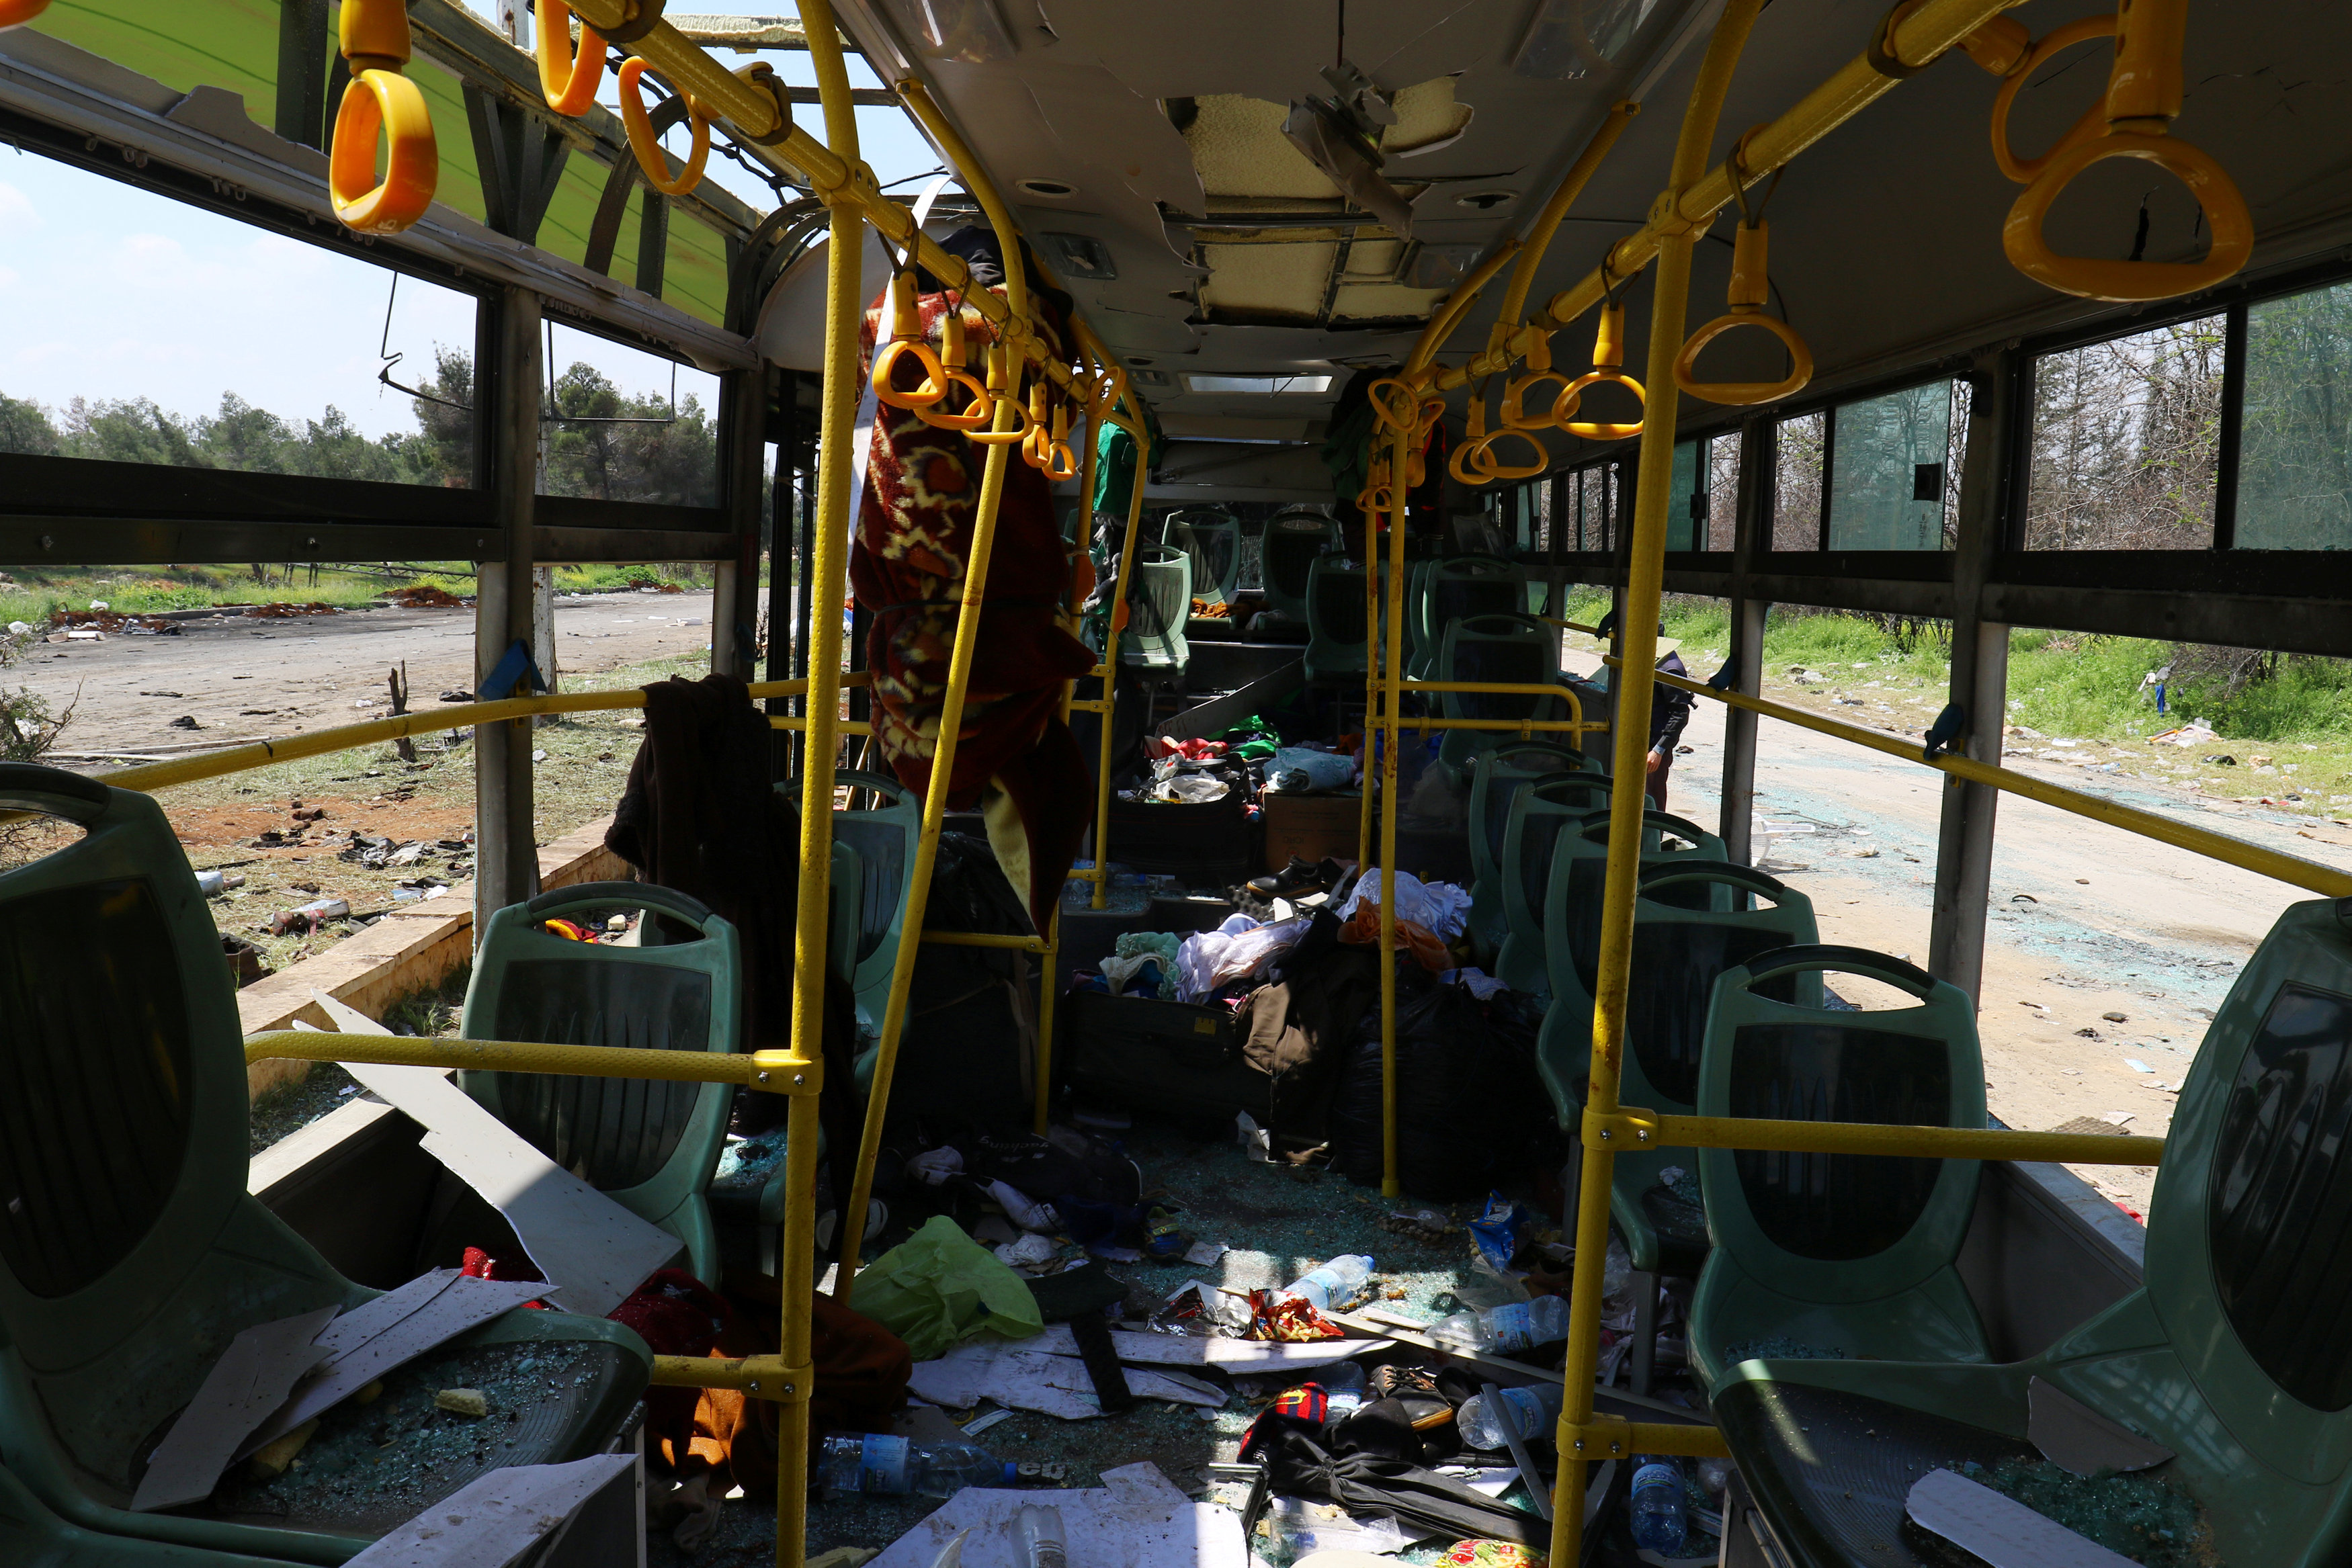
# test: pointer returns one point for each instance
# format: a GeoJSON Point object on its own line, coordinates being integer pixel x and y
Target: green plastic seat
{"type": "Point", "coordinates": [1292, 543]}
{"type": "Point", "coordinates": [1496, 778]}
{"type": "Point", "coordinates": [1455, 589]}
{"type": "Point", "coordinates": [1336, 641]}
{"type": "Point", "coordinates": [1159, 602]}
{"type": "Point", "coordinates": [648, 1146]}
{"type": "Point", "coordinates": [1516, 650]}
{"type": "Point", "coordinates": [1583, 838]}
{"type": "Point", "coordinates": [1846, 1254]}
{"type": "Point", "coordinates": [33, 1537]}
{"type": "Point", "coordinates": [884, 836]}
{"type": "Point", "coordinates": [1691, 924]}
{"type": "Point", "coordinates": [130, 1253]}
{"type": "Point", "coordinates": [1418, 653]}
{"type": "Point", "coordinates": [2231, 1353]}
{"type": "Point", "coordinates": [1212, 539]}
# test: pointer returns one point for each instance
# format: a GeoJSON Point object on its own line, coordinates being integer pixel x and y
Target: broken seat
{"type": "Point", "coordinates": [130, 1254]}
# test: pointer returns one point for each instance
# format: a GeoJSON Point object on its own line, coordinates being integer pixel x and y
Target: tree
{"type": "Point", "coordinates": [24, 427]}
{"type": "Point", "coordinates": [607, 446]}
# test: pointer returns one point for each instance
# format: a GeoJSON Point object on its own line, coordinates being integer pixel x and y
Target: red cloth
{"type": "Point", "coordinates": [675, 1315]}
{"type": "Point", "coordinates": [908, 567]}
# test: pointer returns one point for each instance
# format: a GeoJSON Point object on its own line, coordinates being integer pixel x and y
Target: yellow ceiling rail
{"type": "Point", "coordinates": [1923, 33]}
{"type": "Point", "coordinates": [2293, 869]}
{"type": "Point", "coordinates": [767, 133]}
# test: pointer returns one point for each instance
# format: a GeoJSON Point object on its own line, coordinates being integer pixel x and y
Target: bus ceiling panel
{"type": "Point", "coordinates": [200, 143]}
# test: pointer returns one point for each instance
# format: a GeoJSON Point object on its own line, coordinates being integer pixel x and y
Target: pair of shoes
{"type": "Point", "coordinates": [1300, 876]}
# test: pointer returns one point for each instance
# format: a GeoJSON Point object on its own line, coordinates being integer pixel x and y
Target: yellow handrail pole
{"type": "Point", "coordinates": [1372, 674]}
{"type": "Point", "coordinates": [1628, 793]}
{"type": "Point", "coordinates": [950, 721]}
{"type": "Point", "coordinates": [2325, 880]}
{"type": "Point", "coordinates": [1141, 435]}
{"type": "Point", "coordinates": [845, 306]}
{"type": "Point", "coordinates": [927, 847]}
{"type": "Point", "coordinates": [1392, 1179]}
{"type": "Point", "coordinates": [1922, 34]}
{"type": "Point", "coordinates": [1548, 221]}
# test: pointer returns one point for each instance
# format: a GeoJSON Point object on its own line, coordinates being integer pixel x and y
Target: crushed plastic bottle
{"type": "Point", "coordinates": [1344, 1386]}
{"type": "Point", "coordinates": [1514, 1326]}
{"type": "Point", "coordinates": [894, 1466]}
{"type": "Point", "coordinates": [1335, 1284]}
{"type": "Point", "coordinates": [1660, 1523]}
{"type": "Point", "coordinates": [1536, 1408]}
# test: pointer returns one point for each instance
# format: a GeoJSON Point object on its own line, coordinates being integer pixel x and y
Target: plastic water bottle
{"type": "Point", "coordinates": [1339, 1281]}
{"type": "Point", "coordinates": [1660, 1524]}
{"type": "Point", "coordinates": [1536, 1408]}
{"type": "Point", "coordinates": [1344, 1387]}
{"type": "Point", "coordinates": [878, 1463]}
{"type": "Point", "coordinates": [1514, 1326]}
{"type": "Point", "coordinates": [1042, 1544]}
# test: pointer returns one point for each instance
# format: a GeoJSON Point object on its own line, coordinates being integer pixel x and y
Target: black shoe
{"type": "Point", "coordinates": [1300, 876]}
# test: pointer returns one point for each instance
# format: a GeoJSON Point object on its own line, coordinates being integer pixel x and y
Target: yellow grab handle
{"type": "Point", "coordinates": [1387, 417]}
{"type": "Point", "coordinates": [1515, 392]}
{"type": "Point", "coordinates": [2226, 216]}
{"type": "Point", "coordinates": [1001, 392]}
{"type": "Point", "coordinates": [568, 81]}
{"type": "Point", "coordinates": [976, 414]}
{"type": "Point", "coordinates": [1608, 358]}
{"type": "Point", "coordinates": [16, 13]}
{"type": "Point", "coordinates": [907, 338]}
{"type": "Point", "coordinates": [2024, 170]}
{"type": "Point", "coordinates": [385, 103]}
{"type": "Point", "coordinates": [1563, 408]}
{"type": "Point", "coordinates": [1490, 468]}
{"type": "Point", "coordinates": [643, 142]}
{"type": "Point", "coordinates": [1750, 285]}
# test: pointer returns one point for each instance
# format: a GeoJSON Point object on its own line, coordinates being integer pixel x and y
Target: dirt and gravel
{"type": "Point", "coordinates": [2087, 922]}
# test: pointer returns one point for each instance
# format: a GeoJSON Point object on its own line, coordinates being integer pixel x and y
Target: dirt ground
{"type": "Point", "coordinates": [2087, 922]}
{"type": "Point", "coordinates": [300, 833]}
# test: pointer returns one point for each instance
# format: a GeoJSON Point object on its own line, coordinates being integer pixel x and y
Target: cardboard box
{"type": "Point", "coordinates": [1311, 827]}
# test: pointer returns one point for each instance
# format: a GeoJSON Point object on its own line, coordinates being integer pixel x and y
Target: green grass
{"type": "Point", "coordinates": [2289, 730]}
{"type": "Point", "coordinates": [33, 595]}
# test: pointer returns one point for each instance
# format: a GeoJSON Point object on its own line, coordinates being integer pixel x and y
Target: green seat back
{"type": "Point", "coordinates": [1691, 923]}
{"type": "Point", "coordinates": [1212, 539]}
{"type": "Point", "coordinates": [2250, 1246]}
{"type": "Point", "coordinates": [1496, 778]}
{"type": "Point", "coordinates": [649, 1147]}
{"type": "Point", "coordinates": [1335, 622]}
{"type": "Point", "coordinates": [130, 1254]}
{"type": "Point", "coordinates": [884, 836]}
{"type": "Point", "coordinates": [2232, 1353]}
{"type": "Point", "coordinates": [1455, 589]}
{"type": "Point", "coordinates": [1855, 1247]}
{"type": "Point", "coordinates": [1420, 651]}
{"type": "Point", "coordinates": [1582, 840]}
{"type": "Point", "coordinates": [1292, 543]}
{"type": "Point", "coordinates": [1159, 602]}
{"type": "Point", "coordinates": [1515, 650]}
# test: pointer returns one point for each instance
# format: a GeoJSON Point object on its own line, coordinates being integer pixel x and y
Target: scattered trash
{"type": "Point", "coordinates": [2138, 1066]}
{"type": "Point", "coordinates": [424, 596]}
{"type": "Point", "coordinates": [186, 721]}
{"type": "Point", "coordinates": [283, 611]}
{"type": "Point", "coordinates": [1136, 1519]}
{"type": "Point", "coordinates": [461, 1402]}
{"type": "Point", "coordinates": [309, 917]}
{"type": "Point", "coordinates": [2115, 1018]}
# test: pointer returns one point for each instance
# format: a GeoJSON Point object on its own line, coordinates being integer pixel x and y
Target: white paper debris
{"type": "Point", "coordinates": [252, 1379]}
{"type": "Point", "coordinates": [1135, 1520]}
{"type": "Point", "coordinates": [1027, 1379]}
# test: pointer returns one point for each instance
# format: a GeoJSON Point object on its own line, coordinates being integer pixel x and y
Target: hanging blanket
{"type": "Point", "coordinates": [1015, 759]}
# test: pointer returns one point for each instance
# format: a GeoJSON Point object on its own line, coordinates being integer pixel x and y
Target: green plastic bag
{"type": "Point", "coordinates": [939, 1287]}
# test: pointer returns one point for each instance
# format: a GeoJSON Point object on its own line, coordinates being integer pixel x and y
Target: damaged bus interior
{"type": "Point", "coordinates": [1159, 1000]}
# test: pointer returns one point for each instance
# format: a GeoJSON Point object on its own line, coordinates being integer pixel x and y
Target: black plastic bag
{"type": "Point", "coordinates": [1472, 1112]}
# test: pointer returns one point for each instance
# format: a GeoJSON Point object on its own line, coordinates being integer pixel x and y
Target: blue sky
{"type": "Point", "coordinates": [112, 293]}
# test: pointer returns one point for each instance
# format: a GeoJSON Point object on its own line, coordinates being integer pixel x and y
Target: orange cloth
{"type": "Point", "coordinates": [1364, 928]}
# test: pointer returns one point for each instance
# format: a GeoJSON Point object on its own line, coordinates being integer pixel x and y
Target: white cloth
{"type": "Point", "coordinates": [1440, 908]}
{"type": "Point", "coordinates": [1235, 950]}
{"type": "Point", "coordinates": [1482, 985]}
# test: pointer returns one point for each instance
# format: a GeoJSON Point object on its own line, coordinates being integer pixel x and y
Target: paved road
{"type": "Point", "coordinates": [2087, 919]}
{"type": "Point", "coordinates": [244, 679]}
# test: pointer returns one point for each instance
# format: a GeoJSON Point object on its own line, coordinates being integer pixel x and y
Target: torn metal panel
{"type": "Point", "coordinates": [2003, 1533]}
{"type": "Point", "coordinates": [499, 1517]}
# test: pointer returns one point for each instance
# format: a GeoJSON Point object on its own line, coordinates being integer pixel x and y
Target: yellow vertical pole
{"type": "Point", "coordinates": [1628, 794]}
{"type": "Point", "coordinates": [844, 303]}
{"type": "Point", "coordinates": [950, 723]}
{"type": "Point", "coordinates": [1142, 435]}
{"type": "Point", "coordinates": [1391, 1180]}
{"type": "Point", "coordinates": [1372, 692]}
